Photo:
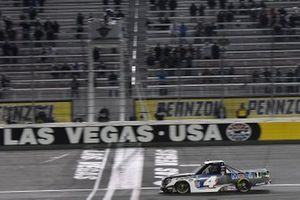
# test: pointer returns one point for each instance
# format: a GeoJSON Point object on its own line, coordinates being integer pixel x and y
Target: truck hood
{"type": "Point", "coordinates": [181, 175]}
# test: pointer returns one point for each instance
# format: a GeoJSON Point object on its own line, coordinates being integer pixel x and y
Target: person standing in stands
{"type": "Point", "coordinates": [201, 10]}
{"type": "Point", "coordinates": [193, 9]}
{"type": "Point", "coordinates": [96, 54]}
{"type": "Point", "coordinates": [113, 81]}
{"type": "Point", "coordinates": [215, 51]}
{"type": "Point", "coordinates": [211, 4]}
{"type": "Point", "coordinates": [172, 6]}
{"type": "Point", "coordinates": [105, 2]}
{"type": "Point", "coordinates": [6, 50]}
{"type": "Point", "coordinates": [242, 112]}
{"type": "Point", "coordinates": [182, 32]}
{"type": "Point", "coordinates": [14, 52]}
{"type": "Point", "coordinates": [206, 51]}
{"type": "Point", "coordinates": [74, 87]}
{"type": "Point", "coordinates": [38, 35]}
{"type": "Point", "coordinates": [117, 2]}
{"type": "Point", "coordinates": [222, 4]}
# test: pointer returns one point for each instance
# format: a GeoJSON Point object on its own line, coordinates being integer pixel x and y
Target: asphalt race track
{"type": "Point", "coordinates": [133, 173]}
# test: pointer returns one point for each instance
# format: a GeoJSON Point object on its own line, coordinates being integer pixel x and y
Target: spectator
{"type": "Point", "coordinates": [79, 31]}
{"type": "Point", "coordinates": [55, 71]}
{"type": "Point", "coordinates": [290, 79]}
{"type": "Point", "coordinates": [263, 19]}
{"type": "Point", "coordinates": [104, 115]}
{"type": "Point", "coordinates": [26, 34]}
{"type": "Point", "coordinates": [229, 16]}
{"type": "Point", "coordinates": [14, 52]}
{"type": "Point", "coordinates": [201, 10]}
{"type": "Point", "coordinates": [41, 3]}
{"type": "Point", "coordinates": [157, 51]}
{"type": "Point", "coordinates": [37, 23]}
{"type": "Point", "coordinates": [48, 25]}
{"type": "Point", "coordinates": [105, 2]}
{"type": "Point", "coordinates": [215, 51]}
{"type": "Point", "coordinates": [12, 34]}
{"type": "Point", "coordinates": [74, 87]}
{"type": "Point", "coordinates": [199, 29]}
{"type": "Point", "coordinates": [193, 10]}
{"type": "Point", "coordinates": [50, 35]}
{"type": "Point", "coordinates": [32, 13]}
{"type": "Point", "coordinates": [162, 76]}
{"type": "Point", "coordinates": [101, 70]}
{"type": "Point", "coordinates": [206, 51]}
{"type": "Point", "coordinates": [113, 81]}
{"type": "Point", "coordinates": [173, 29]}
{"type": "Point", "coordinates": [5, 81]}
{"type": "Point", "coordinates": [209, 29]}
{"type": "Point", "coordinates": [277, 30]}
{"type": "Point", "coordinates": [166, 51]}
{"type": "Point", "coordinates": [221, 18]}
{"type": "Point", "coordinates": [211, 4]}
{"type": "Point", "coordinates": [38, 35]}
{"type": "Point", "coordinates": [8, 23]}
{"type": "Point", "coordinates": [182, 30]}
{"type": "Point", "coordinates": [96, 54]}
{"type": "Point", "coordinates": [43, 55]}
{"type": "Point", "coordinates": [267, 79]}
{"type": "Point", "coordinates": [80, 19]}
{"type": "Point", "coordinates": [55, 27]}
{"type": "Point", "coordinates": [2, 35]}
{"type": "Point", "coordinates": [220, 111]}
{"type": "Point", "coordinates": [242, 112]}
{"type": "Point", "coordinates": [222, 4]}
{"type": "Point", "coordinates": [119, 14]}
{"type": "Point", "coordinates": [150, 60]}
{"type": "Point", "coordinates": [278, 80]}
{"type": "Point", "coordinates": [230, 6]}
{"type": "Point", "coordinates": [161, 4]}
{"type": "Point", "coordinates": [26, 3]}
{"type": "Point", "coordinates": [117, 2]}
{"type": "Point", "coordinates": [160, 112]}
{"type": "Point", "coordinates": [262, 4]}
{"type": "Point", "coordinates": [172, 6]}
{"type": "Point", "coordinates": [6, 50]}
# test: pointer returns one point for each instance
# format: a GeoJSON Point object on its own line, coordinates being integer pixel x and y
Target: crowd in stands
{"type": "Point", "coordinates": [34, 33]}
{"type": "Point", "coordinates": [201, 23]}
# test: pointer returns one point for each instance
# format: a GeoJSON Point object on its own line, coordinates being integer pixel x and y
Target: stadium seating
{"type": "Point", "coordinates": [248, 49]}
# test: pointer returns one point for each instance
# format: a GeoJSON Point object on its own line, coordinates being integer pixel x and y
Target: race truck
{"type": "Point", "coordinates": [215, 176]}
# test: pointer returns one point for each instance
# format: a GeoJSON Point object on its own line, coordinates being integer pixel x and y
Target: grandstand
{"type": "Point", "coordinates": [251, 58]}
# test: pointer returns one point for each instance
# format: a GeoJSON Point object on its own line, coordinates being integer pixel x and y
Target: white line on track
{"type": "Point", "coordinates": [127, 172]}
{"type": "Point", "coordinates": [55, 158]}
{"type": "Point", "coordinates": [106, 189]}
{"type": "Point", "coordinates": [97, 182]}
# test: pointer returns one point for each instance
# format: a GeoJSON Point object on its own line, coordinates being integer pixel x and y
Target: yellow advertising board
{"type": "Point", "coordinates": [23, 112]}
{"type": "Point", "coordinates": [277, 131]}
{"type": "Point", "coordinates": [208, 108]}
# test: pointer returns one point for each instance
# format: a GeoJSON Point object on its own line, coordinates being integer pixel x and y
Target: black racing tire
{"type": "Point", "coordinates": [243, 186]}
{"type": "Point", "coordinates": [182, 187]}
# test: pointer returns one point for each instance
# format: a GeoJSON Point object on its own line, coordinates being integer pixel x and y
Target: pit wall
{"type": "Point", "coordinates": [199, 132]}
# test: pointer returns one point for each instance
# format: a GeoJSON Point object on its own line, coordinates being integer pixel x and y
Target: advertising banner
{"type": "Point", "coordinates": [279, 131]}
{"type": "Point", "coordinates": [143, 133]}
{"type": "Point", "coordinates": [39, 112]}
{"type": "Point", "coordinates": [201, 108]}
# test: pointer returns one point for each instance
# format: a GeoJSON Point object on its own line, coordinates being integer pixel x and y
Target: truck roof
{"type": "Point", "coordinates": [213, 161]}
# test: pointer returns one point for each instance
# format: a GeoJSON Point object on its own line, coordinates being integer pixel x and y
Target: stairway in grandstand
{"type": "Point", "coordinates": [250, 50]}
{"type": "Point", "coordinates": [32, 74]}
